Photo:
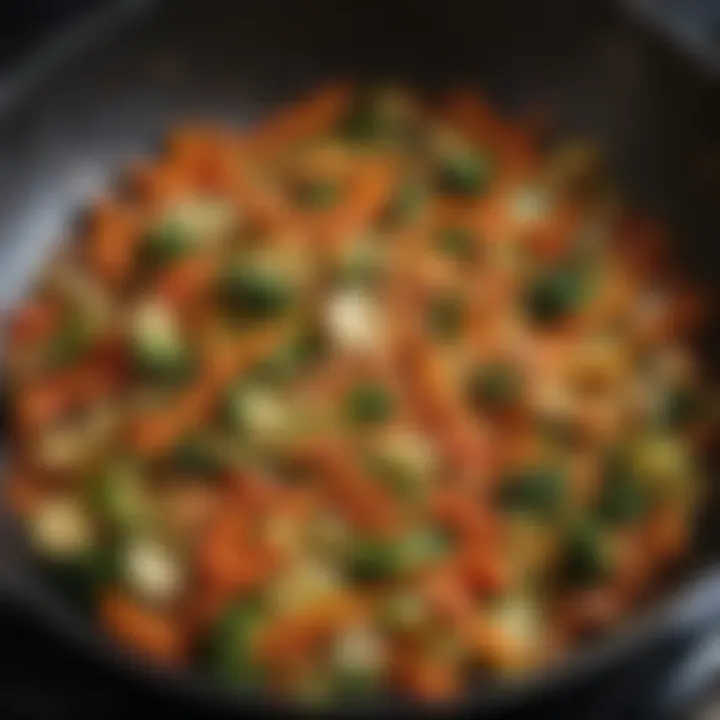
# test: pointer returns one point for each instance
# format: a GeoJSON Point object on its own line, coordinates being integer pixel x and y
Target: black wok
{"type": "Point", "coordinates": [67, 136]}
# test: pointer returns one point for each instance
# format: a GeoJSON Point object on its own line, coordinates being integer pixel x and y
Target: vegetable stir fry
{"type": "Point", "coordinates": [363, 399]}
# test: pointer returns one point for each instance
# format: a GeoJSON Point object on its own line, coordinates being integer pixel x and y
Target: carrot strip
{"type": "Point", "coordinates": [309, 117]}
{"type": "Point", "coordinates": [155, 432]}
{"type": "Point", "coordinates": [294, 635]}
{"type": "Point", "coordinates": [422, 677]}
{"type": "Point", "coordinates": [369, 193]}
{"type": "Point", "coordinates": [111, 243]}
{"type": "Point", "coordinates": [513, 146]}
{"type": "Point", "coordinates": [365, 504]}
{"type": "Point", "coordinates": [32, 322]}
{"type": "Point", "coordinates": [151, 631]}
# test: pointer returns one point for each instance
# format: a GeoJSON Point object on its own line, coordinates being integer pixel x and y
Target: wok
{"type": "Point", "coordinates": [67, 136]}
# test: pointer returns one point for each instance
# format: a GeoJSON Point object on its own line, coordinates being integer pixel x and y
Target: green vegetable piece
{"type": "Point", "coordinates": [166, 364]}
{"type": "Point", "coordinates": [585, 560]}
{"type": "Point", "coordinates": [496, 386]}
{"type": "Point", "coordinates": [422, 548]}
{"type": "Point", "coordinates": [446, 316]}
{"type": "Point", "coordinates": [623, 499]}
{"type": "Point", "coordinates": [165, 244]}
{"type": "Point", "coordinates": [457, 243]}
{"type": "Point", "coordinates": [680, 406]}
{"type": "Point", "coordinates": [464, 173]}
{"type": "Point", "coordinates": [537, 491]}
{"type": "Point", "coordinates": [79, 579]}
{"type": "Point", "coordinates": [373, 560]}
{"type": "Point", "coordinates": [255, 295]}
{"type": "Point", "coordinates": [400, 478]}
{"type": "Point", "coordinates": [377, 115]}
{"type": "Point", "coordinates": [70, 342]}
{"type": "Point", "coordinates": [407, 203]}
{"type": "Point", "coordinates": [554, 295]}
{"type": "Point", "coordinates": [369, 403]}
{"type": "Point", "coordinates": [316, 194]}
{"type": "Point", "coordinates": [228, 650]}
{"type": "Point", "coordinates": [118, 497]}
{"type": "Point", "coordinates": [195, 457]}
{"type": "Point", "coordinates": [376, 560]}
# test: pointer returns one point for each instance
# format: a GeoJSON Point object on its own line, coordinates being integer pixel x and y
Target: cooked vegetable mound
{"type": "Point", "coordinates": [366, 398]}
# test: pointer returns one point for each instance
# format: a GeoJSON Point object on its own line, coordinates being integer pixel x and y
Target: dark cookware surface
{"type": "Point", "coordinates": [68, 138]}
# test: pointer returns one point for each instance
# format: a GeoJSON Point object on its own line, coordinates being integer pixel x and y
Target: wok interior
{"type": "Point", "coordinates": [177, 54]}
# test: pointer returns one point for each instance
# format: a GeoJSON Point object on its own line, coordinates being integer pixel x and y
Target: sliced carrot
{"type": "Point", "coordinates": [111, 243]}
{"type": "Point", "coordinates": [148, 630]}
{"type": "Point", "coordinates": [513, 147]}
{"type": "Point", "coordinates": [184, 282]}
{"type": "Point", "coordinates": [367, 196]}
{"type": "Point", "coordinates": [484, 570]}
{"type": "Point", "coordinates": [44, 400]}
{"type": "Point", "coordinates": [365, 504]}
{"type": "Point", "coordinates": [447, 594]}
{"type": "Point", "coordinates": [32, 322]}
{"type": "Point", "coordinates": [159, 183]}
{"type": "Point", "coordinates": [298, 633]}
{"type": "Point", "coordinates": [423, 677]}
{"type": "Point", "coordinates": [22, 493]}
{"type": "Point", "coordinates": [311, 116]}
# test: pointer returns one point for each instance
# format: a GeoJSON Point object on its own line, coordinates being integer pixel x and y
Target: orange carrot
{"type": "Point", "coordinates": [367, 195]}
{"type": "Point", "coordinates": [422, 677]}
{"type": "Point", "coordinates": [311, 116]}
{"type": "Point", "coordinates": [160, 183]}
{"type": "Point", "coordinates": [296, 634]}
{"type": "Point", "coordinates": [183, 283]}
{"type": "Point", "coordinates": [148, 630]}
{"type": "Point", "coordinates": [32, 322]}
{"type": "Point", "coordinates": [112, 241]}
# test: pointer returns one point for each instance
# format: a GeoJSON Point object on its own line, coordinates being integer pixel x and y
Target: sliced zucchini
{"type": "Point", "coordinates": [405, 463]}
{"type": "Point", "coordinates": [197, 456]}
{"type": "Point", "coordinates": [257, 412]}
{"type": "Point", "coordinates": [554, 295]}
{"type": "Point", "coordinates": [359, 658]}
{"type": "Point", "coordinates": [530, 204]}
{"type": "Point", "coordinates": [446, 317]}
{"type": "Point", "coordinates": [158, 348]}
{"type": "Point", "coordinates": [255, 293]}
{"type": "Point", "coordinates": [229, 648]}
{"type": "Point", "coordinates": [183, 229]}
{"type": "Point", "coordinates": [382, 115]}
{"type": "Point", "coordinates": [61, 529]}
{"type": "Point", "coordinates": [169, 241]}
{"type": "Point", "coordinates": [353, 321]}
{"type": "Point", "coordinates": [377, 560]}
{"type": "Point", "coordinates": [119, 497]}
{"type": "Point", "coordinates": [152, 570]}
{"type": "Point", "coordinates": [495, 386]}
{"type": "Point", "coordinates": [362, 266]}
{"type": "Point", "coordinates": [305, 583]}
{"type": "Point", "coordinates": [369, 403]}
{"type": "Point", "coordinates": [539, 491]}
{"type": "Point", "coordinates": [463, 171]}
{"type": "Point", "coordinates": [585, 559]}
{"type": "Point", "coordinates": [373, 560]}
{"type": "Point", "coordinates": [623, 499]}
{"type": "Point", "coordinates": [457, 243]}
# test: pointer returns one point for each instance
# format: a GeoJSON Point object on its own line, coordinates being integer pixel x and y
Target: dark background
{"type": "Point", "coordinates": [42, 676]}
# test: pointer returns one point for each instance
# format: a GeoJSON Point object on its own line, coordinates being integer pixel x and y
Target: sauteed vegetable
{"type": "Point", "coordinates": [370, 397]}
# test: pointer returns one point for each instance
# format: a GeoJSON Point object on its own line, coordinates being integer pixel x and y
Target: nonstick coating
{"type": "Point", "coordinates": [582, 68]}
